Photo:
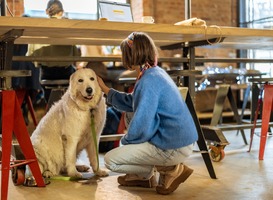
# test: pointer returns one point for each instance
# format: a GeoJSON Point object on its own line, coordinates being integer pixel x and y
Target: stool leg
{"type": "Point", "coordinates": [23, 94]}
{"type": "Point", "coordinates": [219, 104]}
{"type": "Point", "coordinates": [235, 112]}
{"type": "Point", "coordinates": [31, 109]}
{"type": "Point", "coordinates": [201, 139]}
{"type": "Point", "coordinates": [7, 128]}
{"type": "Point", "coordinates": [20, 95]}
{"type": "Point", "coordinates": [21, 133]}
{"type": "Point", "coordinates": [255, 119]}
{"type": "Point", "coordinates": [245, 100]}
{"type": "Point", "coordinates": [267, 108]}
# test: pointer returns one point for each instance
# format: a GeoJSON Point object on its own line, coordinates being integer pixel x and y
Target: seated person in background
{"type": "Point", "coordinates": [54, 70]}
{"type": "Point", "coordinates": [29, 83]}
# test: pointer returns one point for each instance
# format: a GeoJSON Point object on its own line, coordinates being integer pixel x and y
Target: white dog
{"type": "Point", "coordinates": [66, 128]}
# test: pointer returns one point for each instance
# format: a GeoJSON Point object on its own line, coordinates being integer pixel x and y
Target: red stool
{"type": "Point", "coordinates": [267, 91]}
{"type": "Point", "coordinates": [13, 121]}
{"type": "Point", "coordinates": [267, 108]}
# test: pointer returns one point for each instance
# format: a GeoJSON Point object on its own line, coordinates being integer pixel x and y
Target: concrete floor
{"type": "Point", "coordinates": [240, 175]}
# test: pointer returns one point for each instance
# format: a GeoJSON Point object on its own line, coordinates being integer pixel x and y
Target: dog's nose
{"type": "Point", "coordinates": [89, 90]}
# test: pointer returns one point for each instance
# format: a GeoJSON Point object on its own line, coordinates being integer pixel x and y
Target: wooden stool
{"type": "Point", "coordinates": [267, 90]}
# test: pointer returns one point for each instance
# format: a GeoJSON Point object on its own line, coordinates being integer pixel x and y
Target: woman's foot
{"type": "Point", "coordinates": [134, 180]}
{"type": "Point", "coordinates": [171, 179]}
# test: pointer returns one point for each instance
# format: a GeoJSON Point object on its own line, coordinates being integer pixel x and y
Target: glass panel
{"type": "Point", "coordinates": [80, 9]}
{"type": "Point", "coordinates": [258, 14]}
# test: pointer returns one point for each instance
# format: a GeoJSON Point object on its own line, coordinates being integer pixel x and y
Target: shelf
{"type": "Point", "coordinates": [208, 115]}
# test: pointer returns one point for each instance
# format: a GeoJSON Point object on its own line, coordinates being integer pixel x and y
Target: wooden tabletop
{"type": "Point", "coordinates": [91, 32]}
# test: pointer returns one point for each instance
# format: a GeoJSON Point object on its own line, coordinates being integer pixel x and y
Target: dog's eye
{"type": "Point", "coordinates": [92, 79]}
{"type": "Point", "coordinates": [80, 80]}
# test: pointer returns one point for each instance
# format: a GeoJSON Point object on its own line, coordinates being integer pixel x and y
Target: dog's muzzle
{"type": "Point", "coordinates": [89, 92]}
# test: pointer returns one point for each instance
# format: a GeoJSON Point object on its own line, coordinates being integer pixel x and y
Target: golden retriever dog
{"type": "Point", "coordinates": [66, 130]}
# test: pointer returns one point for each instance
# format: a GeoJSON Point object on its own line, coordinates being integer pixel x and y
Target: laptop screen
{"type": "Point", "coordinates": [115, 11]}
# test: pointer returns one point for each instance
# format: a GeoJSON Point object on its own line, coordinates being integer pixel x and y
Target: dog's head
{"type": "Point", "coordinates": [84, 89]}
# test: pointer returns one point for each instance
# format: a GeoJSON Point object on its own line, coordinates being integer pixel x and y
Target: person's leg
{"type": "Point", "coordinates": [172, 176]}
{"type": "Point", "coordinates": [131, 159]}
{"type": "Point", "coordinates": [139, 159]}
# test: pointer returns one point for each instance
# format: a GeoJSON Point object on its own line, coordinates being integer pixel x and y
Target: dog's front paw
{"type": "Point", "coordinates": [74, 174]}
{"type": "Point", "coordinates": [77, 175]}
{"type": "Point", "coordinates": [101, 173]}
{"type": "Point", "coordinates": [82, 168]}
{"type": "Point", "coordinates": [47, 174]}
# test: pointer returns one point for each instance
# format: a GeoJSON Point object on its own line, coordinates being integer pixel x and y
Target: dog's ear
{"type": "Point", "coordinates": [71, 87]}
{"type": "Point", "coordinates": [71, 77]}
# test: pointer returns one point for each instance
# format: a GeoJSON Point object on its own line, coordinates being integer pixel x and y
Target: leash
{"type": "Point", "coordinates": [93, 130]}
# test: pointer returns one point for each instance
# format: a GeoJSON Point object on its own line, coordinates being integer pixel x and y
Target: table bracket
{"type": "Point", "coordinates": [6, 52]}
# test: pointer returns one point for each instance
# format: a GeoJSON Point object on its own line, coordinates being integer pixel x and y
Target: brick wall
{"type": "Point", "coordinates": [16, 8]}
{"type": "Point", "coordinates": [214, 12]}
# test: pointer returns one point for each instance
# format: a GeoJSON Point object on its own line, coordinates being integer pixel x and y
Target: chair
{"type": "Point", "coordinates": [58, 88]}
{"type": "Point", "coordinates": [223, 92]}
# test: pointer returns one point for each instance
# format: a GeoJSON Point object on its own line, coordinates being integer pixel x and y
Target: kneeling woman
{"type": "Point", "coordinates": [161, 132]}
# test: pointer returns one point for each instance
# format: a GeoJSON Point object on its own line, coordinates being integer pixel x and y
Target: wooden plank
{"type": "Point", "coordinates": [66, 31]}
{"type": "Point", "coordinates": [229, 127]}
{"type": "Point", "coordinates": [113, 58]}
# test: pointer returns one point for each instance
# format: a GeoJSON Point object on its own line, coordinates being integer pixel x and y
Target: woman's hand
{"type": "Point", "coordinates": [102, 85]}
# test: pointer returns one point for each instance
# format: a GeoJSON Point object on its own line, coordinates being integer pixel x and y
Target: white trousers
{"type": "Point", "coordinates": [140, 159]}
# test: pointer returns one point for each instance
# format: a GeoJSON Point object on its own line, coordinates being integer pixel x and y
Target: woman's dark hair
{"type": "Point", "coordinates": [138, 49]}
{"type": "Point", "coordinates": [54, 7]}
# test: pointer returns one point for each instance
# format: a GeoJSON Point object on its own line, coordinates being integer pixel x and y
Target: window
{"type": "Point", "coordinates": [80, 9]}
{"type": "Point", "coordinates": [257, 14]}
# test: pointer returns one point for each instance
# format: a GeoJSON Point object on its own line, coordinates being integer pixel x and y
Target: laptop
{"type": "Point", "coordinates": [115, 11]}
